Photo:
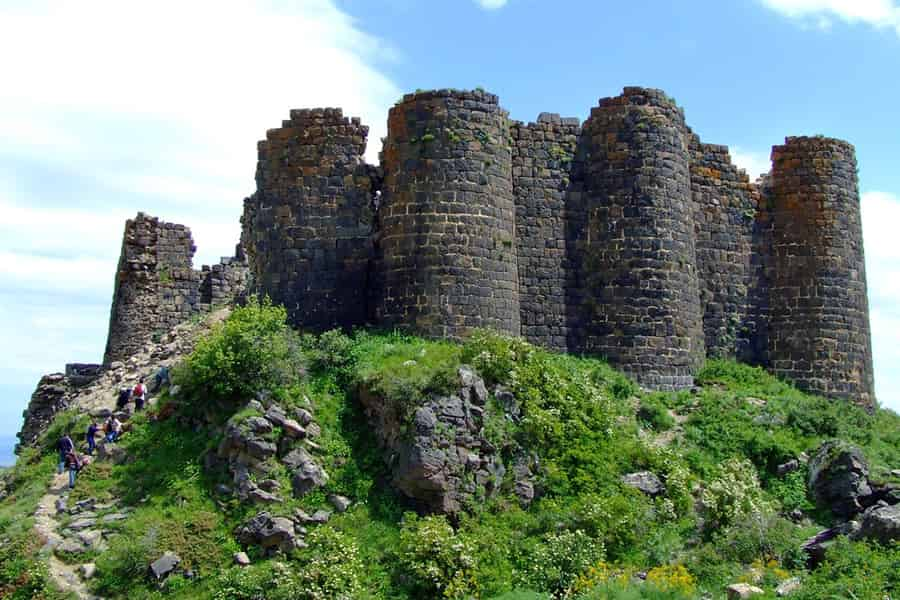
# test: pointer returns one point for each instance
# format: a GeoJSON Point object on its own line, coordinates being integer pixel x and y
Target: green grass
{"type": "Point", "coordinates": [582, 424]}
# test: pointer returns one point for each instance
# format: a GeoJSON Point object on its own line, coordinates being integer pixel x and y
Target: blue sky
{"type": "Point", "coordinates": [110, 107]}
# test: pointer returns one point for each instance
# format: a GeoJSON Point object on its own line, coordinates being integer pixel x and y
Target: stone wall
{"type": "Point", "coordinates": [725, 210]}
{"type": "Point", "coordinates": [626, 237]}
{"type": "Point", "coordinates": [156, 287]}
{"type": "Point", "coordinates": [447, 248]}
{"type": "Point", "coordinates": [307, 229]}
{"type": "Point", "coordinates": [641, 291]}
{"type": "Point", "coordinates": [819, 336]}
{"type": "Point", "coordinates": [548, 177]}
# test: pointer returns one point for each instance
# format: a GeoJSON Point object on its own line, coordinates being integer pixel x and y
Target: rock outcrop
{"type": "Point", "coordinates": [436, 449]}
{"type": "Point", "coordinates": [839, 478]}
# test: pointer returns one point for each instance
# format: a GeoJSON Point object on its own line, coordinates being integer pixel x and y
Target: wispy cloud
{"type": "Point", "coordinates": [109, 107]}
{"type": "Point", "coordinates": [820, 13]}
{"type": "Point", "coordinates": [491, 4]}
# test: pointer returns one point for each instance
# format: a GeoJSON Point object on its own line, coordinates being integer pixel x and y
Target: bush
{"type": "Point", "coordinates": [653, 413]}
{"type": "Point", "coordinates": [440, 561]}
{"type": "Point", "coordinates": [854, 570]}
{"type": "Point", "coordinates": [733, 494]}
{"type": "Point", "coordinates": [495, 355]}
{"type": "Point", "coordinates": [251, 351]}
{"type": "Point", "coordinates": [555, 563]}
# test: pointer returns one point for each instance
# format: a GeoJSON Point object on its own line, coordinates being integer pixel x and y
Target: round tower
{"type": "Point", "coordinates": [307, 228]}
{"type": "Point", "coordinates": [447, 255]}
{"type": "Point", "coordinates": [638, 265]}
{"type": "Point", "coordinates": [819, 334]}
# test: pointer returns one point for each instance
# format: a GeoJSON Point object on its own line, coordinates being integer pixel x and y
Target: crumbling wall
{"type": "Point", "coordinates": [308, 227]}
{"type": "Point", "coordinates": [548, 177]}
{"type": "Point", "coordinates": [725, 213]}
{"type": "Point", "coordinates": [641, 296]}
{"type": "Point", "coordinates": [447, 248]}
{"type": "Point", "coordinates": [819, 337]}
{"type": "Point", "coordinates": [156, 287]}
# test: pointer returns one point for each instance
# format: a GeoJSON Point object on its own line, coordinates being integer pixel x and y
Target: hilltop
{"type": "Point", "coordinates": [382, 465]}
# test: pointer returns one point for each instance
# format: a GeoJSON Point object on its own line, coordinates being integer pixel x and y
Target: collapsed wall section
{"type": "Point", "coordinates": [642, 304]}
{"type": "Point", "coordinates": [156, 287]}
{"type": "Point", "coordinates": [726, 204]}
{"type": "Point", "coordinates": [547, 176]}
{"type": "Point", "coordinates": [447, 247]}
{"type": "Point", "coordinates": [819, 337]}
{"type": "Point", "coordinates": [307, 229]}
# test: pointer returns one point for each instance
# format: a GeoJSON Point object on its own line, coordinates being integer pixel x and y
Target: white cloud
{"type": "Point", "coordinates": [755, 163]}
{"type": "Point", "coordinates": [878, 13]}
{"type": "Point", "coordinates": [880, 214]}
{"type": "Point", "coordinates": [110, 107]}
{"type": "Point", "coordinates": [491, 4]}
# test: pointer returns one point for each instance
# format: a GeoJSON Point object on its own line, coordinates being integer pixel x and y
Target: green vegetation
{"type": "Point", "coordinates": [580, 424]}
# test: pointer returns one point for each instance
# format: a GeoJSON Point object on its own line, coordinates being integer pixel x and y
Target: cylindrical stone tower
{"type": "Point", "coordinates": [307, 228]}
{"type": "Point", "coordinates": [447, 249]}
{"type": "Point", "coordinates": [638, 264]}
{"type": "Point", "coordinates": [819, 335]}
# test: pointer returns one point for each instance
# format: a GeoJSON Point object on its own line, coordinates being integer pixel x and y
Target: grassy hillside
{"type": "Point", "coordinates": [723, 518]}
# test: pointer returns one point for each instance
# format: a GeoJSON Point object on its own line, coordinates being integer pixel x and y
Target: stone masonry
{"type": "Point", "coordinates": [625, 236]}
{"type": "Point", "coordinates": [156, 287]}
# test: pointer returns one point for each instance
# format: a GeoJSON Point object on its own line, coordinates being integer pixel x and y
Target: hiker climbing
{"type": "Point", "coordinates": [113, 429]}
{"type": "Point", "coordinates": [64, 446]}
{"type": "Point", "coordinates": [139, 394]}
{"type": "Point", "coordinates": [73, 464]}
{"type": "Point", "coordinates": [124, 397]}
{"type": "Point", "coordinates": [160, 378]}
{"type": "Point", "coordinates": [90, 437]}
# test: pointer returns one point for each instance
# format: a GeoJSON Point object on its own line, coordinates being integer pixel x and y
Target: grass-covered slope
{"type": "Point", "coordinates": [722, 518]}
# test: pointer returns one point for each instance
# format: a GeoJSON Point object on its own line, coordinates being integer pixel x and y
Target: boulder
{"type": "Point", "coordinates": [788, 587]}
{"type": "Point", "coordinates": [71, 546]}
{"type": "Point", "coordinates": [308, 477]}
{"type": "Point", "coordinates": [296, 458]}
{"type": "Point", "coordinates": [260, 496]}
{"type": "Point", "coordinates": [293, 429]}
{"type": "Point", "coordinates": [87, 570]}
{"type": "Point", "coordinates": [164, 566]}
{"type": "Point", "coordinates": [644, 481]}
{"type": "Point", "coordinates": [816, 546]}
{"type": "Point", "coordinates": [880, 523]}
{"type": "Point", "coordinates": [739, 591]}
{"type": "Point", "coordinates": [340, 503]}
{"type": "Point", "coordinates": [839, 478]}
{"type": "Point", "coordinates": [788, 467]}
{"type": "Point", "coordinates": [303, 416]}
{"type": "Point", "coordinates": [269, 533]}
{"type": "Point", "coordinates": [241, 559]}
{"type": "Point", "coordinates": [261, 449]}
{"type": "Point", "coordinates": [258, 425]}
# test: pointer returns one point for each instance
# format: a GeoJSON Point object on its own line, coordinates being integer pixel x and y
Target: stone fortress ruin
{"type": "Point", "coordinates": [623, 236]}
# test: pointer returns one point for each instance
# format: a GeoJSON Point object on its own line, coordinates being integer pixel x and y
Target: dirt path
{"type": "Point", "coordinates": [47, 527]}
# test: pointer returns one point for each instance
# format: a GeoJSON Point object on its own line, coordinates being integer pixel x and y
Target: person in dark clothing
{"type": "Point", "coordinates": [160, 379]}
{"type": "Point", "coordinates": [91, 434]}
{"type": "Point", "coordinates": [73, 464]}
{"type": "Point", "coordinates": [124, 397]}
{"type": "Point", "coordinates": [64, 445]}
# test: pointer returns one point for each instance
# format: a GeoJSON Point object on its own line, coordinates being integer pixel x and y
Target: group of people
{"type": "Point", "coordinates": [112, 430]}
{"type": "Point", "coordinates": [138, 394]}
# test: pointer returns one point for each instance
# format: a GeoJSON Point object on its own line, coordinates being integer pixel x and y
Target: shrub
{"type": "Point", "coordinates": [762, 537]}
{"type": "Point", "coordinates": [495, 355]}
{"type": "Point", "coordinates": [733, 494]}
{"type": "Point", "coordinates": [854, 570]}
{"type": "Point", "coordinates": [440, 561]}
{"type": "Point", "coordinates": [251, 351]}
{"type": "Point", "coordinates": [653, 413]}
{"type": "Point", "coordinates": [555, 563]}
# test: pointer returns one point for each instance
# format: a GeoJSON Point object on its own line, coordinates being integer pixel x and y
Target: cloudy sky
{"type": "Point", "coordinates": [108, 107]}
